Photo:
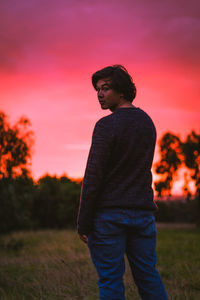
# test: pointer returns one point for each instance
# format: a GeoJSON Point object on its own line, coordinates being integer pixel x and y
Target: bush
{"type": "Point", "coordinates": [177, 211]}
{"type": "Point", "coordinates": [16, 200]}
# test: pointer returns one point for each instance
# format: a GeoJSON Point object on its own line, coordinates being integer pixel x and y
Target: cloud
{"type": "Point", "coordinates": [10, 53]}
{"type": "Point", "coordinates": [74, 34]}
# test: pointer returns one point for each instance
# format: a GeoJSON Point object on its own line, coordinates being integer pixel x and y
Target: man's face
{"type": "Point", "coordinates": [108, 98]}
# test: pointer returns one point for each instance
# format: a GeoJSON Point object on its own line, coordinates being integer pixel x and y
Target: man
{"type": "Point", "coordinates": [116, 206]}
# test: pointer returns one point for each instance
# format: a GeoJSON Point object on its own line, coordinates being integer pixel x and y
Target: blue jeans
{"type": "Point", "coordinates": [116, 232]}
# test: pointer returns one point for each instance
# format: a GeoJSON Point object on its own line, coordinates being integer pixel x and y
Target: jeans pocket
{"type": "Point", "coordinates": [150, 227]}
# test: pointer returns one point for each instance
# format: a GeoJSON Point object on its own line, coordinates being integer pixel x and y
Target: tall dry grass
{"type": "Point", "coordinates": [55, 265]}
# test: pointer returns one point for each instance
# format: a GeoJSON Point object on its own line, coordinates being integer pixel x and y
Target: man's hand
{"type": "Point", "coordinates": [84, 238]}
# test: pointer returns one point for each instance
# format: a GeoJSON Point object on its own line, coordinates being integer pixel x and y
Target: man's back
{"type": "Point", "coordinates": [118, 172]}
{"type": "Point", "coordinates": [128, 179]}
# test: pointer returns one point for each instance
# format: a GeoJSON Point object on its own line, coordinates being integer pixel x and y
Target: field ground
{"type": "Point", "coordinates": [176, 225]}
{"type": "Point", "coordinates": [55, 265]}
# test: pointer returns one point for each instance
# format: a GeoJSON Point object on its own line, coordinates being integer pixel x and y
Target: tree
{"type": "Point", "coordinates": [171, 159]}
{"type": "Point", "coordinates": [56, 202]}
{"type": "Point", "coordinates": [16, 201]}
{"type": "Point", "coordinates": [16, 185]}
{"type": "Point", "coordinates": [15, 147]}
{"type": "Point", "coordinates": [175, 153]}
{"type": "Point", "coordinates": [191, 152]}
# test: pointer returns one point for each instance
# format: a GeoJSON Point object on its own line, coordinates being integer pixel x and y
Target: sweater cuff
{"type": "Point", "coordinates": [84, 230]}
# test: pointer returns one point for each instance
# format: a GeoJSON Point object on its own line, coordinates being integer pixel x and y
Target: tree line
{"type": "Point", "coordinates": [52, 202]}
{"type": "Point", "coordinates": [174, 154]}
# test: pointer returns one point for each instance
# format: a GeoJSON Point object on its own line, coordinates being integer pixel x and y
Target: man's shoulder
{"type": "Point", "coordinates": [105, 121]}
{"type": "Point", "coordinates": [104, 127]}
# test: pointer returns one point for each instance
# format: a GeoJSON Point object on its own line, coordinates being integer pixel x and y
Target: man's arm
{"type": "Point", "coordinates": [100, 151]}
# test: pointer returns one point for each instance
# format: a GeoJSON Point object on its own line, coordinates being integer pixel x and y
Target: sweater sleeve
{"type": "Point", "coordinates": [100, 151]}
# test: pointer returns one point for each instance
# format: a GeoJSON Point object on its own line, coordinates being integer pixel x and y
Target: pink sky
{"type": "Point", "coordinates": [49, 50]}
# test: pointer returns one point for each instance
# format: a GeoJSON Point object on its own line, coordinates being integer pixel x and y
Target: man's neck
{"type": "Point", "coordinates": [122, 105]}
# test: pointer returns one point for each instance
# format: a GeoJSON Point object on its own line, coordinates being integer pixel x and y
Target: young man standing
{"type": "Point", "coordinates": [116, 205]}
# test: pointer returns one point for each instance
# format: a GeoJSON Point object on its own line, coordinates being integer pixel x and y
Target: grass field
{"type": "Point", "coordinates": [55, 265]}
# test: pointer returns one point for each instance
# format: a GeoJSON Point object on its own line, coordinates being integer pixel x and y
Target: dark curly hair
{"type": "Point", "coordinates": [121, 80]}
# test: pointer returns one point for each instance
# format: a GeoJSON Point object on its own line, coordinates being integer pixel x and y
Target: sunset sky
{"type": "Point", "coordinates": [50, 49]}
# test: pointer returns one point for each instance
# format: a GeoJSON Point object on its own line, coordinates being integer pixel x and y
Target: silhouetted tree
{"type": "Point", "coordinates": [191, 152]}
{"type": "Point", "coordinates": [175, 153]}
{"type": "Point", "coordinates": [16, 184]}
{"type": "Point", "coordinates": [185, 187]}
{"type": "Point", "coordinates": [16, 200]}
{"type": "Point", "coordinates": [170, 152]}
{"type": "Point", "coordinates": [56, 202]}
{"type": "Point", "coordinates": [15, 147]}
